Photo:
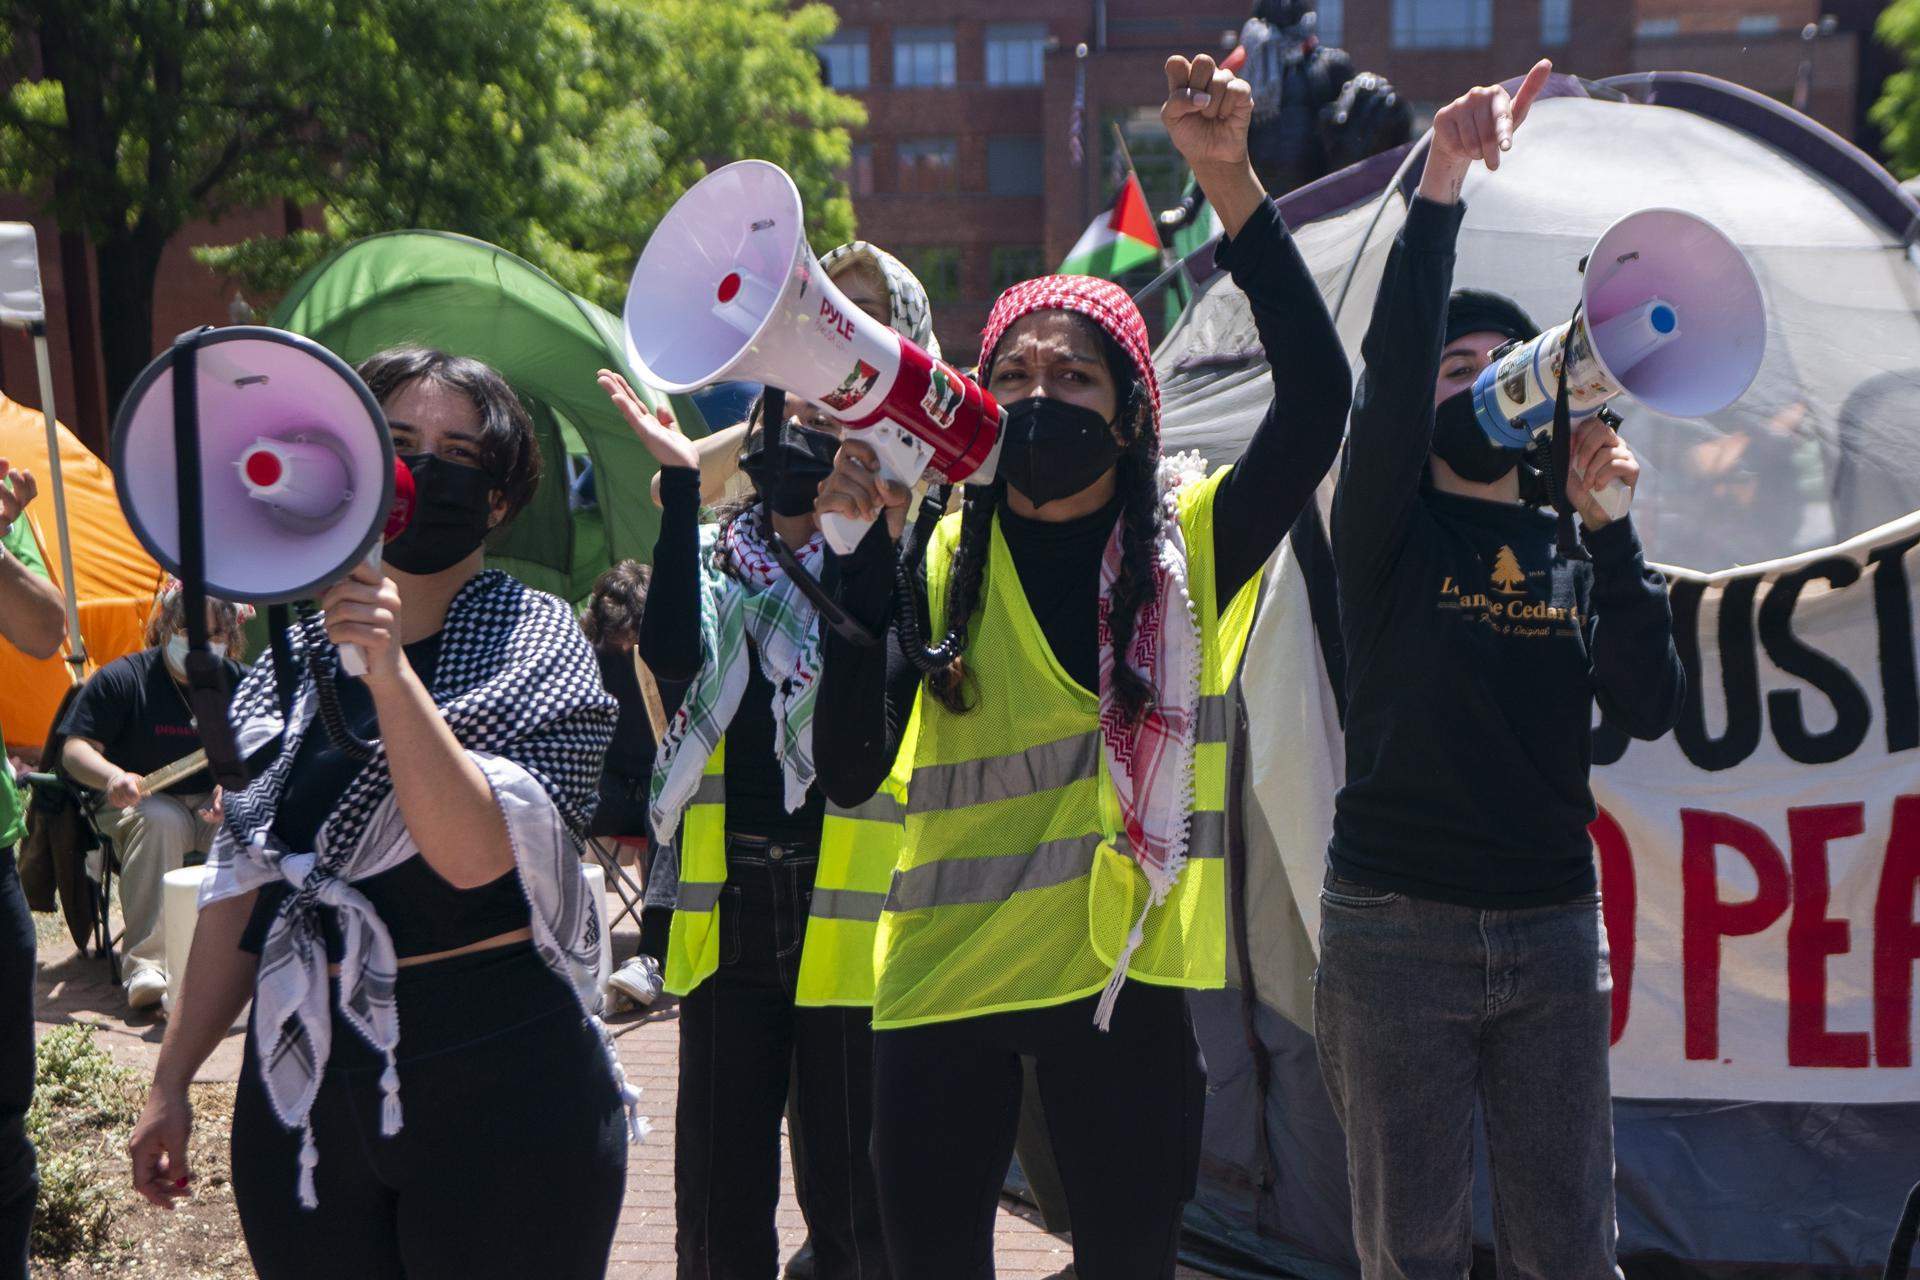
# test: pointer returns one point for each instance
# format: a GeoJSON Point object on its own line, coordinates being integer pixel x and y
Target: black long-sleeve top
{"type": "Point", "coordinates": [866, 693]}
{"type": "Point", "coordinates": [1475, 653]}
{"type": "Point", "coordinates": [670, 646]}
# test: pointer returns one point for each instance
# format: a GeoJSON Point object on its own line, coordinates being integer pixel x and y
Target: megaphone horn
{"type": "Point", "coordinates": [297, 472]}
{"type": "Point", "coordinates": [1671, 314]}
{"type": "Point", "coordinates": [727, 288]}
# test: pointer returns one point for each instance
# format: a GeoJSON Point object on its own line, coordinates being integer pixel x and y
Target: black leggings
{"type": "Point", "coordinates": [1123, 1109]}
{"type": "Point", "coordinates": [511, 1161]}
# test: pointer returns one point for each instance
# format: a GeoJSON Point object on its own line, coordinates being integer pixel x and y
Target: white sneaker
{"type": "Point", "coordinates": [637, 981]}
{"type": "Point", "coordinates": [146, 988]}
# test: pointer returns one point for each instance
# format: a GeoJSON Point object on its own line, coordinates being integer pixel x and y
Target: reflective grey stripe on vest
{"type": "Point", "coordinates": [958, 881]}
{"type": "Point", "coordinates": [1024, 773]}
{"type": "Point", "coordinates": [698, 898]}
{"type": "Point", "coordinates": [1046, 767]}
{"type": "Point", "coordinates": [1215, 721]}
{"type": "Point", "coordinates": [846, 904]}
{"type": "Point", "coordinates": [879, 807]}
{"type": "Point", "coordinates": [712, 790]}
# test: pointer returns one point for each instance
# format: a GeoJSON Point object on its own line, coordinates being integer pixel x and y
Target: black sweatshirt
{"type": "Point", "coordinates": [1474, 652]}
{"type": "Point", "coordinates": [867, 693]}
{"type": "Point", "coordinates": [670, 646]}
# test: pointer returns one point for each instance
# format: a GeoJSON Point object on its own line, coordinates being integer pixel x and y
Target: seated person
{"type": "Point", "coordinates": [131, 719]}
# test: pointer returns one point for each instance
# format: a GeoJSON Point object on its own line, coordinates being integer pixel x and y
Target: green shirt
{"type": "Point", "coordinates": [19, 542]}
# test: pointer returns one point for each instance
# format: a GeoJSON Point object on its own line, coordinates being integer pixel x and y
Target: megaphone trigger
{"type": "Point", "coordinates": [353, 660]}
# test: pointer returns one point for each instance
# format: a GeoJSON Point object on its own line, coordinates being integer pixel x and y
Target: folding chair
{"type": "Point", "coordinates": [87, 902]}
{"type": "Point", "coordinates": [631, 892]}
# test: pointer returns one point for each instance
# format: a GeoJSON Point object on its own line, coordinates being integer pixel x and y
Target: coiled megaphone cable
{"type": "Point", "coordinates": [906, 590]}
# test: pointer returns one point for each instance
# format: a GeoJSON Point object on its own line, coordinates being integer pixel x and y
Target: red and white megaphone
{"type": "Point", "coordinates": [728, 289]}
{"type": "Point", "coordinates": [1671, 314]}
{"type": "Point", "coordinates": [298, 479]}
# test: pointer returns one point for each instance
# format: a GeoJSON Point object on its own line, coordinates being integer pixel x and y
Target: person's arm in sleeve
{"type": "Point", "coordinates": [1637, 675]}
{"type": "Point", "coordinates": [670, 622]}
{"type": "Point", "coordinates": [1208, 112]}
{"type": "Point", "coordinates": [1392, 428]}
{"type": "Point", "coordinates": [33, 616]}
{"type": "Point", "coordinates": [1312, 389]}
{"type": "Point", "coordinates": [1392, 423]}
{"type": "Point", "coordinates": [866, 691]}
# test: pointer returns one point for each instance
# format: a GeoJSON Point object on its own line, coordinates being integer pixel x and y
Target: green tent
{"type": "Point", "coordinates": [464, 296]}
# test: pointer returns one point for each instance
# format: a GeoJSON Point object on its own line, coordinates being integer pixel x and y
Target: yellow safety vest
{"type": "Point", "coordinates": [858, 849]}
{"type": "Point", "coordinates": [1014, 890]}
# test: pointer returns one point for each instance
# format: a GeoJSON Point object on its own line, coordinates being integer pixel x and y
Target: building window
{"type": "Point", "coordinates": [922, 56]}
{"type": "Point", "coordinates": [843, 58]}
{"type": "Point", "coordinates": [1759, 24]}
{"type": "Point", "coordinates": [1657, 28]}
{"type": "Point", "coordinates": [929, 166]}
{"type": "Point", "coordinates": [1011, 265]}
{"type": "Point", "coordinates": [1015, 51]}
{"type": "Point", "coordinates": [1014, 166]}
{"type": "Point", "coordinates": [1556, 21]}
{"type": "Point", "coordinates": [1442, 24]}
{"type": "Point", "coordinates": [860, 170]}
{"type": "Point", "coordinates": [1331, 21]}
{"type": "Point", "coordinates": [938, 269]}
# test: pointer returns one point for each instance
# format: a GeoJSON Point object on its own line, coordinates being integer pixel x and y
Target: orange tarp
{"type": "Point", "coordinates": [116, 578]}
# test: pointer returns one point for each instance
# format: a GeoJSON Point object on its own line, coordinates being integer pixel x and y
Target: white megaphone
{"type": "Point", "coordinates": [298, 479]}
{"type": "Point", "coordinates": [728, 289]}
{"type": "Point", "coordinates": [1671, 314]}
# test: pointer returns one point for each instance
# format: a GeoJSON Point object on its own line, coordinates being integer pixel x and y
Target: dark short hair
{"type": "Point", "coordinates": [508, 449]}
{"type": "Point", "coordinates": [612, 617]}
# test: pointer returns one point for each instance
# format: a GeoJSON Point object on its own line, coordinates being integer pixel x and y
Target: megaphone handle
{"type": "Point", "coordinates": [903, 459]}
{"type": "Point", "coordinates": [353, 659]}
{"type": "Point", "coordinates": [1614, 498]}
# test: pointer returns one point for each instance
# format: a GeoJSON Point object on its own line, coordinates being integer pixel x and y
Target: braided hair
{"type": "Point", "coordinates": [1141, 518]}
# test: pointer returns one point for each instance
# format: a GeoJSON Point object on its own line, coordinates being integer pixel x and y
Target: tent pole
{"type": "Point", "coordinates": [76, 646]}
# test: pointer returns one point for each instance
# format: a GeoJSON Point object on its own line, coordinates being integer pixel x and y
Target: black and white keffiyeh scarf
{"type": "Point", "coordinates": [519, 687]}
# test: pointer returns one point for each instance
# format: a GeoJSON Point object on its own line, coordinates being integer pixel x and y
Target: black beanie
{"type": "Point", "coordinates": [1478, 311]}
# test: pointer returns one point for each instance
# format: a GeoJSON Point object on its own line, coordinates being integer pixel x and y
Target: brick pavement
{"type": "Point", "coordinates": [75, 988]}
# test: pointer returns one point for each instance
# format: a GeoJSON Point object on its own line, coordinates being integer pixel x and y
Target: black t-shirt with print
{"type": "Point", "coordinates": [138, 714]}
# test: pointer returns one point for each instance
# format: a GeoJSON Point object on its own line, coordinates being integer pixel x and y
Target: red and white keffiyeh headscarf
{"type": "Point", "coordinates": [1151, 762]}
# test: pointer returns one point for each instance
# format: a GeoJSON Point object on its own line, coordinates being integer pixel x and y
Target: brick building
{"type": "Point", "coordinates": [967, 166]}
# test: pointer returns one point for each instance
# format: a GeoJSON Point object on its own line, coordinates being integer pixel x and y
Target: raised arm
{"type": "Point", "coordinates": [670, 625]}
{"type": "Point", "coordinates": [1392, 425]}
{"type": "Point", "coordinates": [1207, 113]}
{"type": "Point", "coordinates": [33, 617]}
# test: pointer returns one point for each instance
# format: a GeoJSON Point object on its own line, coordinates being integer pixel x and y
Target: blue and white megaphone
{"type": "Point", "coordinates": [1670, 314]}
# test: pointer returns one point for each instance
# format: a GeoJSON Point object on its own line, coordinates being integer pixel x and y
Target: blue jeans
{"type": "Point", "coordinates": [1421, 1010]}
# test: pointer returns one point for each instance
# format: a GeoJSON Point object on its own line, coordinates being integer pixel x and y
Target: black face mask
{"type": "Point", "coordinates": [452, 507]}
{"type": "Point", "coordinates": [1460, 443]}
{"type": "Point", "coordinates": [789, 472]}
{"type": "Point", "coordinates": [1055, 449]}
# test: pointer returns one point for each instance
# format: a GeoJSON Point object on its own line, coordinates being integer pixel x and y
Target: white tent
{"type": "Point", "coordinates": [1724, 1169]}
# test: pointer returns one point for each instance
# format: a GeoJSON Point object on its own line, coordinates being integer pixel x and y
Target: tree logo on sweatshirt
{"type": "Point", "coordinates": [1509, 579]}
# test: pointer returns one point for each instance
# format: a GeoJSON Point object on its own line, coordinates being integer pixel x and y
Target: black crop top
{"type": "Point", "coordinates": [423, 913]}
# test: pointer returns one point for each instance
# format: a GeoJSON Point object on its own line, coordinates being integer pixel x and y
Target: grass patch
{"type": "Point", "coordinates": [84, 1106]}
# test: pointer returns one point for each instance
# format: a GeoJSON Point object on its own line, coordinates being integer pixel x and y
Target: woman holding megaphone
{"type": "Point", "coordinates": [400, 894]}
{"type": "Point", "coordinates": [1063, 877]}
{"type": "Point", "coordinates": [1463, 957]}
{"type": "Point", "coordinates": [771, 944]}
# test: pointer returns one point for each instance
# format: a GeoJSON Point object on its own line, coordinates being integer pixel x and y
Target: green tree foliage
{"type": "Point", "coordinates": [1897, 113]}
{"type": "Point", "coordinates": [560, 129]}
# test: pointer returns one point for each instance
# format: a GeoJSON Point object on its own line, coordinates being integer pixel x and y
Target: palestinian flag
{"type": "Point", "coordinates": [1118, 240]}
